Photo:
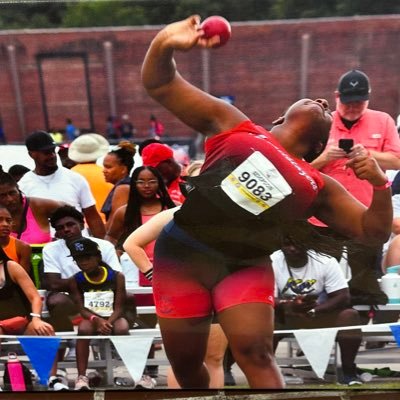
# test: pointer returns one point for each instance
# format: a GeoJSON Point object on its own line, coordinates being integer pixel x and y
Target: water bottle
{"type": "Point", "coordinates": [390, 283]}
{"type": "Point", "coordinates": [130, 270]}
{"type": "Point", "coordinates": [15, 373]}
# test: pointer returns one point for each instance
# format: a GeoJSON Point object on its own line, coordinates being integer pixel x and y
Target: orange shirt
{"type": "Point", "coordinates": [11, 249]}
{"type": "Point", "coordinates": [93, 173]}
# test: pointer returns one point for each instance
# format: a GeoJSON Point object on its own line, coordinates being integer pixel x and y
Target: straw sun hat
{"type": "Point", "coordinates": [88, 148]}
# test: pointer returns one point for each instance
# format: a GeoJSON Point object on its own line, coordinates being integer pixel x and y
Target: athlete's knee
{"type": "Point", "coordinates": [256, 353]}
{"type": "Point", "coordinates": [191, 375]}
{"type": "Point", "coordinates": [184, 360]}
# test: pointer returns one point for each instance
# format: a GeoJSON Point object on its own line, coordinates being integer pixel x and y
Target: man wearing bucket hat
{"type": "Point", "coordinates": [161, 156]}
{"type": "Point", "coordinates": [85, 150]}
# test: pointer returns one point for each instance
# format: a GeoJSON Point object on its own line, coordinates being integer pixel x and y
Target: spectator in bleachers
{"type": "Point", "coordinates": [85, 150]}
{"type": "Point", "coordinates": [30, 215]}
{"type": "Point", "coordinates": [126, 127]}
{"type": "Point", "coordinates": [312, 292]}
{"type": "Point", "coordinates": [71, 131]}
{"type": "Point", "coordinates": [112, 128]}
{"type": "Point", "coordinates": [156, 128]}
{"type": "Point", "coordinates": [20, 302]}
{"type": "Point", "coordinates": [117, 166]}
{"type": "Point", "coordinates": [50, 181]}
{"type": "Point", "coordinates": [16, 249]}
{"type": "Point", "coordinates": [161, 156]}
{"type": "Point", "coordinates": [68, 223]}
{"type": "Point", "coordinates": [374, 133]}
{"type": "Point", "coordinates": [99, 294]}
{"type": "Point", "coordinates": [58, 267]}
{"type": "Point", "coordinates": [148, 196]}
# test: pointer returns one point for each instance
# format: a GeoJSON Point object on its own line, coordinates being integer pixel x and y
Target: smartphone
{"type": "Point", "coordinates": [346, 144]}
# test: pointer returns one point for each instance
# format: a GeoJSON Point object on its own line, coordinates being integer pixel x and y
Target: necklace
{"type": "Point", "coordinates": [102, 280]}
{"type": "Point", "coordinates": [47, 179]}
{"type": "Point", "coordinates": [297, 285]}
{"type": "Point", "coordinates": [296, 269]}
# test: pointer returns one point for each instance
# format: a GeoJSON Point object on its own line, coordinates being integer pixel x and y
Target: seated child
{"type": "Point", "coordinates": [99, 292]}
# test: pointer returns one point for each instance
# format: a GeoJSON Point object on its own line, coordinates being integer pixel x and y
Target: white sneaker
{"type": "Point", "coordinates": [57, 383]}
{"type": "Point", "coordinates": [146, 382]}
{"type": "Point", "coordinates": [82, 383]}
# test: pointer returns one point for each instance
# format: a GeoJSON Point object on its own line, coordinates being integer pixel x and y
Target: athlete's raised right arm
{"type": "Point", "coordinates": [196, 108]}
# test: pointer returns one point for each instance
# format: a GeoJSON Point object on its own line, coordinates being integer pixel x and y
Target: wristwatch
{"type": "Point", "coordinates": [311, 313]}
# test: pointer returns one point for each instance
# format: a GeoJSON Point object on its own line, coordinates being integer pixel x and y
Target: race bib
{"type": "Point", "coordinates": [256, 185]}
{"type": "Point", "coordinates": [101, 303]}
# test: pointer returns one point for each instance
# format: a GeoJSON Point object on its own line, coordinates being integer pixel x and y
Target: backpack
{"type": "Point", "coordinates": [17, 376]}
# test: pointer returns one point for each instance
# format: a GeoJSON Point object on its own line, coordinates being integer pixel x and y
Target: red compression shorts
{"type": "Point", "coordinates": [193, 282]}
{"type": "Point", "coordinates": [14, 326]}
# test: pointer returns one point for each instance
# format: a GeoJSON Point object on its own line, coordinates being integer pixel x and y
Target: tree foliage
{"type": "Point", "coordinates": [16, 15]}
{"type": "Point", "coordinates": [29, 15]}
{"type": "Point", "coordinates": [103, 13]}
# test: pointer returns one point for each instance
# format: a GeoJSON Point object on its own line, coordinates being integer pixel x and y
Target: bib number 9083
{"type": "Point", "coordinates": [256, 184]}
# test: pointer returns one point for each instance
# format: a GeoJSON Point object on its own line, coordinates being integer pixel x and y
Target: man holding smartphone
{"type": "Point", "coordinates": [358, 131]}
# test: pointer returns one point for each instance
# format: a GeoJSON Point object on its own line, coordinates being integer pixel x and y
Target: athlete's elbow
{"type": "Point", "coordinates": [377, 236]}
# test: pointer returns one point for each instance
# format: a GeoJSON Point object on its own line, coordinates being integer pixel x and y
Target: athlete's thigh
{"type": "Point", "coordinates": [253, 284]}
{"type": "Point", "coordinates": [249, 328]}
{"type": "Point", "coordinates": [245, 305]}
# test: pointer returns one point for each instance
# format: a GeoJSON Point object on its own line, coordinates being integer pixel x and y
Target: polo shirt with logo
{"type": "Point", "coordinates": [376, 131]}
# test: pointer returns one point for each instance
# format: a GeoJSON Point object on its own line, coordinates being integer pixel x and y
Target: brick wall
{"type": "Point", "coordinates": [260, 66]}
